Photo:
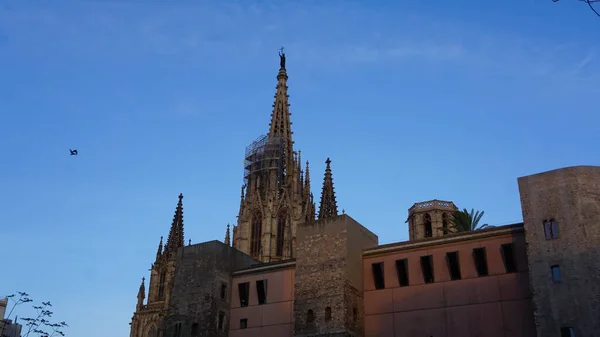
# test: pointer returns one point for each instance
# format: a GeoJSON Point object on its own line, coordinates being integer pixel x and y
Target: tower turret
{"type": "Point", "coordinates": [328, 207]}
{"type": "Point", "coordinates": [429, 219]}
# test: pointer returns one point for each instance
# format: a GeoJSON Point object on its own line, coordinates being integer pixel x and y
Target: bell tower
{"type": "Point", "coordinates": [429, 219]}
{"type": "Point", "coordinates": [275, 197]}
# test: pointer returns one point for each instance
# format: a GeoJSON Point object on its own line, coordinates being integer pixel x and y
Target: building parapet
{"type": "Point", "coordinates": [450, 238]}
{"type": "Point", "coordinates": [266, 267]}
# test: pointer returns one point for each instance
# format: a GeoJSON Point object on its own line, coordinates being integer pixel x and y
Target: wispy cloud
{"type": "Point", "coordinates": [355, 35]}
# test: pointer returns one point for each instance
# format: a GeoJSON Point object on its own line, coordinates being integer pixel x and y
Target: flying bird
{"type": "Point", "coordinates": [73, 152]}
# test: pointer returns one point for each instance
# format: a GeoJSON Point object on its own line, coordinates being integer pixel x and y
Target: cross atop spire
{"type": "Point", "coordinates": [175, 239]}
{"type": "Point", "coordinates": [328, 206]}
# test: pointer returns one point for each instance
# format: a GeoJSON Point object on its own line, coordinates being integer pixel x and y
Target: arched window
{"type": "Point", "coordinates": [256, 234]}
{"type": "Point", "coordinates": [152, 331]}
{"type": "Point", "coordinates": [281, 222]}
{"type": "Point", "coordinates": [195, 330]}
{"type": "Point", "coordinates": [310, 317]}
{"type": "Point", "coordinates": [445, 229]}
{"type": "Point", "coordinates": [427, 223]}
{"type": "Point", "coordinates": [161, 284]}
{"type": "Point", "coordinates": [328, 314]}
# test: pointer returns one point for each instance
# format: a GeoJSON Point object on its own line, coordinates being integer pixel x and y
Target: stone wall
{"type": "Point", "coordinates": [196, 300]}
{"type": "Point", "coordinates": [570, 197]}
{"type": "Point", "coordinates": [328, 277]}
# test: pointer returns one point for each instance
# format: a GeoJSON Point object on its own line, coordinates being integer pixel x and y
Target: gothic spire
{"type": "Point", "coordinates": [281, 125]}
{"type": "Point", "coordinates": [141, 293]}
{"type": "Point", "coordinates": [227, 237]}
{"type": "Point", "coordinates": [328, 206]}
{"type": "Point", "coordinates": [160, 248]}
{"type": "Point", "coordinates": [175, 239]}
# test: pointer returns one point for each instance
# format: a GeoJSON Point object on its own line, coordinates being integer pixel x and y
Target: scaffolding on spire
{"type": "Point", "coordinates": [262, 156]}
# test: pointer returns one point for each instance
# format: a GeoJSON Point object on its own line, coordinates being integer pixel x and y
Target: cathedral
{"type": "Point", "coordinates": [287, 270]}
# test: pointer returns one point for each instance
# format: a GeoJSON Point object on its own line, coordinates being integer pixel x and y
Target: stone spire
{"type": "Point", "coordinates": [307, 197]}
{"type": "Point", "coordinates": [160, 248]}
{"type": "Point", "coordinates": [141, 294]}
{"type": "Point", "coordinates": [227, 237]}
{"type": "Point", "coordinates": [175, 239]}
{"type": "Point", "coordinates": [328, 206]}
{"type": "Point", "coordinates": [281, 125]}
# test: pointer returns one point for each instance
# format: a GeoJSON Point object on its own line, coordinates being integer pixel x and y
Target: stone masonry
{"type": "Point", "coordinates": [196, 297]}
{"type": "Point", "coordinates": [571, 198]}
{"type": "Point", "coordinates": [328, 293]}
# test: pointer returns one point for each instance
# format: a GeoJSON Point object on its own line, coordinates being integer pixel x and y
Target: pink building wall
{"type": "Point", "coordinates": [272, 319]}
{"type": "Point", "coordinates": [497, 305]}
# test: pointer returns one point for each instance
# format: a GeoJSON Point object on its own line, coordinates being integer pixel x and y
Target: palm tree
{"type": "Point", "coordinates": [462, 221]}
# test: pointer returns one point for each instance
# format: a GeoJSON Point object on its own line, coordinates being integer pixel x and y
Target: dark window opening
{"type": "Point", "coordinates": [428, 229]}
{"type": "Point", "coordinates": [555, 273]}
{"type": "Point", "coordinates": [445, 228]}
{"type": "Point", "coordinates": [567, 332]}
{"type": "Point", "coordinates": [508, 255]}
{"type": "Point", "coordinates": [355, 314]}
{"type": "Point", "coordinates": [427, 268]}
{"type": "Point", "coordinates": [261, 291]}
{"type": "Point", "coordinates": [550, 229]}
{"type": "Point", "coordinates": [328, 314]}
{"type": "Point", "coordinates": [402, 269]}
{"type": "Point", "coordinates": [223, 290]}
{"type": "Point", "coordinates": [195, 330]}
{"type": "Point", "coordinates": [243, 323]}
{"type": "Point", "coordinates": [480, 259]}
{"type": "Point", "coordinates": [280, 233]}
{"type": "Point", "coordinates": [310, 316]}
{"type": "Point", "coordinates": [221, 320]}
{"type": "Point", "coordinates": [256, 234]}
{"type": "Point", "coordinates": [377, 269]}
{"type": "Point", "coordinates": [177, 329]}
{"type": "Point", "coordinates": [161, 285]}
{"type": "Point", "coordinates": [244, 290]}
{"type": "Point", "coordinates": [453, 265]}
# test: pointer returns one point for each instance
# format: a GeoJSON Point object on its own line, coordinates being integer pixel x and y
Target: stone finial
{"type": "Point", "coordinates": [227, 237]}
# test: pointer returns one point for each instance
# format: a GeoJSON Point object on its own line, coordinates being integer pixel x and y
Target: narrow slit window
{"type": "Point", "coordinates": [556, 277]}
{"type": "Point", "coordinates": [243, 323]}
{"type": "Point", "coordinates": [194, 331]}
{"type": "Point", "coordinates": [223, 290]}
{"type": "Point", "coordinates": [378, 278]}
{"type": "Point", "coordinates": [480, 259]}
{"type": "Point", "coordinates": [508, 255]}
{"type": "Point", "coordinates": [221, 320]}
{"type": "Point", "coordinates": [453, 265]}
{"type": "Point", "coordinates": [445, 221]}
{"type": "Point", "coordinates": [567, 332]}
{"type": "Point", "coordinates": [550, 229]}
{"type": "Point", "coordinates": [244, 290]}
{"type": "Point", "coordinates": [261, 291]}
{"type": "Point", "coordinates": [427, 268]}
{"type": "Point", "coordinates": [328, 314]}
{"type": "Point", "coordinates": [310, 316]}
{"type": "Point", "coordinates": [402, 269]}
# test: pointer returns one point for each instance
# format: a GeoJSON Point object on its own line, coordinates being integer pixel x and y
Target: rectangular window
{"type": "Point", "coordinates": [221, 320]}
{"type": "Point", "coordinates": [453, 265]}
{"type": "Point", "coordinates": [555, 273]}
{"type": "Point", "coordinates": [261, 291]}
{"type": "Point", "coordinates": [480, 259]}
{"type": "Point", "coordinates": [508, 255]}
{"type": "Point", "coordinates": [243, 323]}
{"type": "Point", "coordinates": [567, 332]}
{"type": "Point", "coordinates": [244, 290]}
{"type": "Point", "coordinates": [223, 290]}
{"type": "Point", "coordinates": [427, 268]}
{"type": "Point", "coordinates": [402, 269]}
{"type": "Point", "coordinates": [377, 269]}
{"type": "Point", "coordinates": [550, 229]}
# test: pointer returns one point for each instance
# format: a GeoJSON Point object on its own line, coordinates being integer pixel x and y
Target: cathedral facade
{"type": "Point", "coordinates": [287, 270]}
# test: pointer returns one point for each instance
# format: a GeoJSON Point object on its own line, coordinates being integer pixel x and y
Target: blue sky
{"type": "Point", "coordinates": [412, 100]}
